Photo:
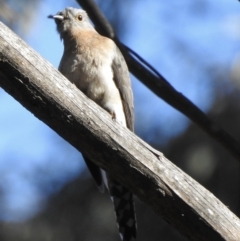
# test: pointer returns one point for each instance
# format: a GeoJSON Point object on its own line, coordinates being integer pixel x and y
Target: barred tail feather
{"type": "Point", "coordinates": [124, 208]}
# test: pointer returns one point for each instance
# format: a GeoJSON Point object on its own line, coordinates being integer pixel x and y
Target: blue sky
{"type": "Point", "coordinates": [33, 163]}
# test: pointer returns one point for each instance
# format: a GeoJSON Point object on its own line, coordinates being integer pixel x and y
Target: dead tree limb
{"type": "Point", "coordinates": [160, 86]}
{"type": "Point", "coordinates": [180, 200]}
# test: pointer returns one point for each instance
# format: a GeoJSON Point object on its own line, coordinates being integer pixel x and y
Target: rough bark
{"type": "Point", "coordinates": [180, 200]}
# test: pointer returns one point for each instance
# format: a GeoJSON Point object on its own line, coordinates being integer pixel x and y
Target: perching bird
{"type": "Point", "coordinates": [96, 66]}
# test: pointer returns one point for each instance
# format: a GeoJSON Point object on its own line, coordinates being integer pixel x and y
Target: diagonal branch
{"type": "Point", "coordinates": [180, 200]}
{"type": "Point", "coordinates": [159, 85]}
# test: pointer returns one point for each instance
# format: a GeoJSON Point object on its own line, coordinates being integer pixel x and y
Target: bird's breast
{"type": "Point", "coordinates": [89, 71]}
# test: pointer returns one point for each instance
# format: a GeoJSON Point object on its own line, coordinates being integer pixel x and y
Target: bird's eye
{"type": "Point", "coordinates": [80, 17]}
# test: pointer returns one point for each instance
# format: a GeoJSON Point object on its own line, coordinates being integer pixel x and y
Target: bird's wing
{"type": "Point", "coordinates": [123, 83]}
{"type": "Point", "coordinates": [121, 196]}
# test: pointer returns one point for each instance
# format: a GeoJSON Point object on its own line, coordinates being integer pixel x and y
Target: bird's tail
{"type": "Point", "coordinates": [124, 207]}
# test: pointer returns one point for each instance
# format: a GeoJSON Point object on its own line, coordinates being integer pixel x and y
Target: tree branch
{"type": "Point", "coordinates": [186, 205]}
{"type": "Point", "coordinates": [160, 86]}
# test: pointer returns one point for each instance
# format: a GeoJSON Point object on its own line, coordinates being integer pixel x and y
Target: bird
{"type": "Point", "coordinates": [97, 67]}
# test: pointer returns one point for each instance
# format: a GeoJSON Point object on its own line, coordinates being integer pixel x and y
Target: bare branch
{"type": "Point", "coordinates": [160, 86]}
{"type": "Point", "coordinates": [184, 203]}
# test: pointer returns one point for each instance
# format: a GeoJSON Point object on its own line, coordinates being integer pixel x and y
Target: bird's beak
{"type": "Point", "coordinates": [59, 17]}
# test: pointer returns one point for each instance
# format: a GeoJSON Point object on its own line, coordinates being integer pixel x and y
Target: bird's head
{"type": "Point", "coordinates": [71, 19]}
